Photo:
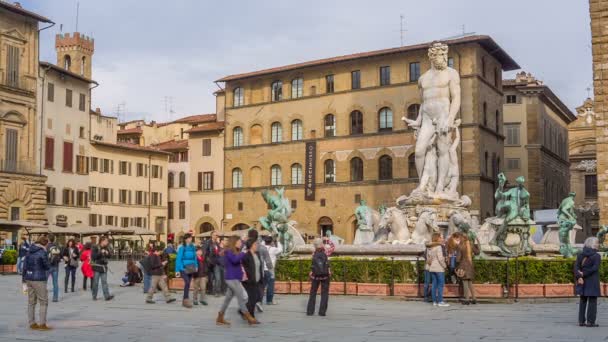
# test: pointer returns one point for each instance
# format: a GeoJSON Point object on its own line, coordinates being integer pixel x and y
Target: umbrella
{"type": "Point", "coordinates": [141, 231]}
{"type": "Point", "coordinates": [21, 224]}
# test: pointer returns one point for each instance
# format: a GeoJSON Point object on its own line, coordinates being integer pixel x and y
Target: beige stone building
{"type": "Point", "coordinates": [22, 189]}
{"type": "Point", "coordinates": [536, 145]}
{"type": "Point", "coordinates": [599, 35]}
{"type": "Point", "coordinates": [349, 110]}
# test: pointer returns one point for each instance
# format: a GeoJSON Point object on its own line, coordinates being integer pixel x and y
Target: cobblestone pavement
{"type": "Point", "coordinates": [350, 319]}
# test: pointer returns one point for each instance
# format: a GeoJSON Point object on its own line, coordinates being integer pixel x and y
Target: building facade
{"type": "Point", "coordinates": [348, 109]}
{"type": "Point", "coordinates": [536, 146]}
{"type": "Point", "coordinates": [22, 189]}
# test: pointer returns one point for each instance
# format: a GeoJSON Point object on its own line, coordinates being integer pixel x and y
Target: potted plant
{"type": "Point", "coordinates": [9, 261]}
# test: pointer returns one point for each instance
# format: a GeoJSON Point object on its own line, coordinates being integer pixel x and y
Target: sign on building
{"type": "Point", "coordinates": [309, 179]}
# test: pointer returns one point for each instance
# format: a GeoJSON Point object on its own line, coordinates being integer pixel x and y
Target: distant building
{"type": "Point", "coordinates": [536, 145]}
{"type": "Point", "coordinates": [346, 111]}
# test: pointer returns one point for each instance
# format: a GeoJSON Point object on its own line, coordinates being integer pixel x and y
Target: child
{"type": "Point", "coordinates": [157, 271]}
{"type": "Point", "coordinates": [200, 277]}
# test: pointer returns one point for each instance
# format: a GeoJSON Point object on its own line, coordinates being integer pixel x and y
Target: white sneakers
{"type": "Point", "coordinates": [442, 304]}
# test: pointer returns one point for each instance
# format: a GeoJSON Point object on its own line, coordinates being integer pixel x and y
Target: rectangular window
{"type": "Point", "coordinates": [49, 153]}
{"type": "Point", "coordinates": [81, 199]}
{"type": "Point", "coordinates": [206, 147]}
{"type": "Point", "coordinates": [240, 206]}
{"type": "Point", "coordinates": [294, 204]}
{"type": "Point", "coordinates": [81, 132]}
{"type": "Point", "coordinates": [122, 196]}
{"type": "Point", "coordinates": [155, 171]}
{"type": "Point", "coordinates": [81, 165]}
{"type": "Point", "coordinates": [94, 164]}
{"type": "Point", "coordinates": [50, 195]}
{"type": "Point", "coordinates": [68, 197]}
{"type": "Point", "coordinates": [104, 195]}
{"type": "Point", "coordinates": [173, 158]}
{"type": "Point", "coordinates": [182, 210]}
{"type": "Point", "coordinates": [451, 62]}
{"type": "Point", "coordinates": [157, 199]}
{"type": "Point", "coordinates": [50, 92]}
{"type": "Point", "coordinates": [93, 194]}
{"type": "Point", "coordinates": [414, 71]}
{"type": "Point", "coordinates": [139, 197]}
{"type": "Point", "coordinates": [12, 150]}
{"type": "Point", "coordinates": [322, 202]}
{"type": "Point", "coordinates": [110, 220]}
{"type": "Point", "coordinates": [93, 220]}
{"type": "Point", "coordinates": [206, 207]}
{"type": "Point", "coordinates": [511, 98]}
{"type": "Point", "coordinates": [297, 85]}
{"type": "Point", "coordinates": [183, 156]}
{"type": "Point", "coordinates": [68, 156]}
{"type": "Point", "coordinates": [12, 66]}
{"type": "Point", "coordinates": [123, 168]}
{"type": "Point", "coordinates": [170, 210]}
{"type": "Point", "coordinates": [140, 170]}
{"type": "Point", "coordinates": [590, 186]}
{"type": "Point", "coordinates": [329, 83]}
{"type": "Point", "coordinates": [355, 79]}
{"type": "Point", "coordinates": [207, 180]}
{"type": "Point", "coordinates": [124, 222]}
{"type": "Point", "coordinates": [385, 75]}
{"type": "Point", "coordinates": [68, 98]}
{"type": "Point", "coordinates": [512, 133]}
{"type": "Point", "coordinates": [513, 164]}
{"type": "Point", "coordinates": [357, 198]}
{"type": "Point", "coordinates": [81, 102]}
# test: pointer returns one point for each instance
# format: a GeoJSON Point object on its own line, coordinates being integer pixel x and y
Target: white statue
{"type": "Point", "coordinates": [425, 226]}
{"type": "Point", "coordinates": [393, 227]}
{"type": "Point", "coordinates": [436, 157]}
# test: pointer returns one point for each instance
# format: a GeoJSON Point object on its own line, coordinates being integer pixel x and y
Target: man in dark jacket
{"type": "Point", "coordinates": [319, 275]}
{"type": "Point", "coordinates": [99, 262]}
{"type": "Point", "coordinates": [587, 273]}
{"type": "Point", "coordinates": [35, 273]}
{"type": "Point", "coordinates": [157, 271]}
{"type": "Point", "coordinates": [212, 253]}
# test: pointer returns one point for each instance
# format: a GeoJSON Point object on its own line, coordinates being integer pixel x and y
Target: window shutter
{"type": "Point", "coordinates": [129, 196]}
{"type": "Point", "coordinates": [111, 195]}
{"type": "Point", "coordinates": [129, 168]}
{"type": "Point", "coordinates": [200, 181]}
{"type": "Point", "coordinates": [161, 172]}
{"type": "Point", "coordinates": [49, 151]}
{"type": "Point", "coordinates": [111, 166]}
{"type": "Point", "coordinates": [67, 156]}
{"type": "Point", "coordinates": [211, 182]}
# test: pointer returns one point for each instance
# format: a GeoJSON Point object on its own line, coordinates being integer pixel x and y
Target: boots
{"type": "Point", "coordinates": [250, 319]}
{"type": "Point", "coordinates": [220, 319]}
{"type": "Point", "coordinates": [187, 303]}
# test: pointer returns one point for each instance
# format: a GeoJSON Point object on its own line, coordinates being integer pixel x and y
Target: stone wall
{"type": "Point", "coordinates": [28, 192]}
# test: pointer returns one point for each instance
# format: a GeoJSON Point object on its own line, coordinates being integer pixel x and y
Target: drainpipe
{"type": "Point", "coordinates": [149, 189]}
{"type": "Point", "coordinates": [90, 104]}
{"type": "Point", "coordinates": [42, 96]}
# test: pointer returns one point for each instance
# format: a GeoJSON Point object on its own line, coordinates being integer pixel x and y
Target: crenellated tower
{"type": "Point", "coordinates": [75, 53]}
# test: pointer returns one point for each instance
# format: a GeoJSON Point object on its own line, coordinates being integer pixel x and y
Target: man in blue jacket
{"type": "Point", "coordinates": [35, 273]}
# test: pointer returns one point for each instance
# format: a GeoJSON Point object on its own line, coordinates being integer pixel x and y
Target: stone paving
{"type": "Point", "coordinates": [127, 318]}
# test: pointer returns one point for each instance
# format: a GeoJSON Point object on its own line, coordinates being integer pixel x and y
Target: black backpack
{"type": "Point", "coordinates": [320, 265]}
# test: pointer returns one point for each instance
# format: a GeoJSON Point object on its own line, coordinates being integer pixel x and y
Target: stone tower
{"type": "Point", "coordinates": [75, 53]}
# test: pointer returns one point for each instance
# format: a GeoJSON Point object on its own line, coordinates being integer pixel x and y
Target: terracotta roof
{"type": "Point", "coordinates": [485, 41]}
{"type": "Point", "coordinates": [173, 145]}
{"type": "Point", "coordinates": [207, 127]}
{"type": "Point", "coordinates": [134, 130]}
{"type": "Point", "coordinates": [192, 119]}
{"type": "Point", "coordinates": [66, 72]}
{"type": "Point", "coordinates": [16, 8]}
{"type": "Point", "coordinates": [127, 146]}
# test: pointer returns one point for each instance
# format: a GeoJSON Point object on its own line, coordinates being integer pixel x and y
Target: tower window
{"type": "Point", "coordinates": [67, 62]}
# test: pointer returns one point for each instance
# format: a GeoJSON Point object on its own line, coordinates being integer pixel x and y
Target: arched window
{"type": "Point", "coordinates": [412, 111]}
{"type": "Point", "coordinates": [385, 119]}
{"type": "Point", "coordinates": [296, 174]}
{"type": "Point", "coordinates": [276, 90]}
{"type": "Point", "coordinates": [330, 171]}
{"type": "Point", "coordinates": [171, 179]}
{"type": "Point", "coordinates": [237, 136]}
{"type": "Point", "coordinates": [497, 121]}
{"type": "Point", "coordinates": [255, 135]}
{"type": "Point", "coordinates": [330, 125]}
{"type": "Point", "coordinates": [206, 227]}
{"type": "Point", "coordinates": [296, 130]}
{"type": "Point", "coordinates": [411, 166]}
{"type": "Point", "coordinates": [67, 62]}
{"type": "Point", "coordinates": [485, 114]}
{"type": "Point", "coordinates": [356, 122]}
{"type": "Point", "coordinates": [356, 169]}
{"type": "Point", "coordinates": [83, 65]}
{"type": "Point", "coordinates": [385, 167]}
{"type": "Point", "coordinates": [297, 84]}
{"type": "Point", "coordinates": [182, 179]}
{"type": "Point", "coordinates": [239, 98]}
{"type": "Point", "coordinates": [276, 132]}
{"type": "Point", "coordinates": [275, 175]}
{"type": "Point", "coordinates": [237, 178]}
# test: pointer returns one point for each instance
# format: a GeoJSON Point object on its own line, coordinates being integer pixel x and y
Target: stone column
{"type": "Point", "coordinates": [599, 38]}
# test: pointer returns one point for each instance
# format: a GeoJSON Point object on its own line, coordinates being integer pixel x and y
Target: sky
{"type": "Point", "coordinates": [158, 60]}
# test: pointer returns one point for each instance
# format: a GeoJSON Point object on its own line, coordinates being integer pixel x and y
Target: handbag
{"type": "Point", "coordinates": [460, 272]}
{"type": "Point", "coordinates": [190, 269]}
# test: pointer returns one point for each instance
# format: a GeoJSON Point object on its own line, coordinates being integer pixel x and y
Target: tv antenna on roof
{"type": "Point", "coordinates": [463, 34]}
{"type": "Point", "coordinates": [401, 18]}
{"type": "Point", "coordinates": [168, 101]}
{"type": "Point", "coordinates": [77, 10]}
{"type": "Point", "coordinates": [120, 111]}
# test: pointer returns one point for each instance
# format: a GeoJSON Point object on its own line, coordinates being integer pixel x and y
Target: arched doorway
{"type": "Point", "coordinates": [205, 227]}
{"type": "Point", "coordinates": [240, 226]}
{"type": "Point", "coordinates": [325, 224]}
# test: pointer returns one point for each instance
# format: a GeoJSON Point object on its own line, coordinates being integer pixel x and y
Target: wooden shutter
{"type": "Point", "coordinates": [200, 181]}
{"type": "Point", "coordinates": [206, 147]}
{"type": "Point", "coordinates": [12, 66]}
{"type": "Point", "coordinates": [68, 97]}
{"type": "Point", "coordinates": [49, 153]}
{"type": "Point", "coordinates": [68, 156]}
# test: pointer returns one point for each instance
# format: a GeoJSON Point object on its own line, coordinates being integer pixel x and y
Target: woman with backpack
{"type": "Point", "coordinates": [87, 270]}
{"type": "Point", "coordinates": [186, 266]}
{"type": "Point", "coordinates": [319, 275]}
{"type": "Point", "coordinates": [71, 256]}
{"type": "Point", "coordinates": [587, 274]}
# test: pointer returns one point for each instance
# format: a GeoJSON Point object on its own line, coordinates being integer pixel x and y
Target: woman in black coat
{"type": "Point", "coordinates": [254, 272]}
{"type": "Point", "coordinates": [587, 273]}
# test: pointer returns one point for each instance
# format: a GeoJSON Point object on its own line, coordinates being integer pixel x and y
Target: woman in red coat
{"type": "Point", "coordinates": [87, 270]}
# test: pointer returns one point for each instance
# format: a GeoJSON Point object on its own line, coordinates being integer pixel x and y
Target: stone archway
{"type": "Point", "coordinates": [206, 227]}
{"type": "Point", "coordinates": [240, 226]}
{"type": "Point", "coordinates": [207, 222]}
{"type": "Point", "coordinates": [17, 192]}
{"type": "Point", "coordinates": [324, 224]}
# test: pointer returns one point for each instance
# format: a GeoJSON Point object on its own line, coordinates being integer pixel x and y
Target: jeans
{"type": "Point", "coordinates": [70, 270]}
{"type": "Point", "coordinates": [588, 308]}
{"type": "Point", "coordinates": [187, 279]}
{"type": "Point", "coordinates": [235, 289]}
{"type": "Point", "coordinates": [20, 265]}
{"type": "Point", "coordinates": [104, 284]}
{"type": "Point", "coordinates": [218, 277]}
{"type": "Point", "coordinates": [54, 273]}
{"type": "Point", "coordinates": [438, 281]}
{"type": "Point", "coordinates": [427, 287]}
{"type": "Point", "coordinates": [37, 294]}
{"type": "Point", "coordinates": [313, 296]}
{"type": "Point", "coordinates": [269, 280]}
{"type": "Point", "coordinates": [147, 281]}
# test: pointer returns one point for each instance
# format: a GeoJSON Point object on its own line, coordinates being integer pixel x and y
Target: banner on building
{"type": "Point", "coordinates": [309, 179]}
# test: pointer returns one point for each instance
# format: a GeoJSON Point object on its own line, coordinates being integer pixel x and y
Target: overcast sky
{"type": "Point", "coordinates": [148, 50]}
